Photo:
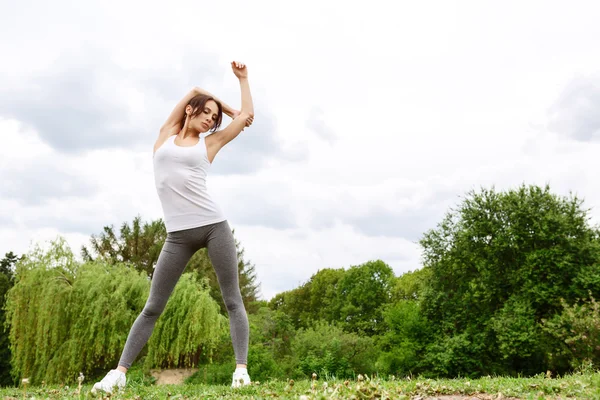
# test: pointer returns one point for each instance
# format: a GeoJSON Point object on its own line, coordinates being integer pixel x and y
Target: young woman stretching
{"type": "Point", "coordinates": [183, 155]}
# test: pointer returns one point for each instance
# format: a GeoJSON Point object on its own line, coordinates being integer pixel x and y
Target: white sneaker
{"type": "Point", "coordinates": [114, 379]}
{"type": "Point", "coordinates": [240, 378]}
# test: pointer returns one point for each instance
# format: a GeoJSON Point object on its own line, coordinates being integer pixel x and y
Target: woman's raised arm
{"type": "Point", "coordinates": [245, 117]}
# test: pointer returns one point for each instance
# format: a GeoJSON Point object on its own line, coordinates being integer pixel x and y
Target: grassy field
{"type": "Point", "coordinates": [577, 386]}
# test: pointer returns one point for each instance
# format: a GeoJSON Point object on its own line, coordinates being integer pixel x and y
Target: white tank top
{"type": "Point", "coordinates": [180, 178]}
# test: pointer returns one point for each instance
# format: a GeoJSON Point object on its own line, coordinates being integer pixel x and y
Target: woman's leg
{"type": "Point", "coordinates": [223, 256]}
{"type": "Point", "coordinates": [179, 247]}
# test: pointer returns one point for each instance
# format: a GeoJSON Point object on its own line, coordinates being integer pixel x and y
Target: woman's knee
{"type": "Point", "coordinates": [233, 302]}
{"type": "Point", "coordinates": [152, 310]}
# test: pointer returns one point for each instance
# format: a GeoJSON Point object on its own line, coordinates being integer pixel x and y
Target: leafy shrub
{"type": "Point", "coordinates": [329, 351]}
{"type": "Point", "coordinates": [577, 329]}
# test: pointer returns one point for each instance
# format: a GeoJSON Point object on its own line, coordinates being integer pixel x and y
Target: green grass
{"type": "Point", "coordinates": [584, 385]}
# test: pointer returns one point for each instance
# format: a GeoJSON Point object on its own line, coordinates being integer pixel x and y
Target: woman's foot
{"type": "Point", "coordinates": [114, 379]}
{"type": "Point", "coordinates": [240, 378]}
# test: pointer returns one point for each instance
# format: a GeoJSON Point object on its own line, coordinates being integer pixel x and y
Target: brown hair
{"type": "Point", "coordinates": [198, 102]}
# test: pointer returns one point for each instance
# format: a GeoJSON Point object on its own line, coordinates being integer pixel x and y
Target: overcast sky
{"type": "Point", "coordinates": [372, 118]}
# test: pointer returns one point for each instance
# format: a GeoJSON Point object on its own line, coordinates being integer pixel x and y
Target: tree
{"type": "Point", "coordinates": [353, 298]}
{"type": "Point", "coordinates": [403, 341]}
{"type": "Point", "coordinates": [410, 285]}
{"type": "Point", "coordinates": [296, 304]}
{"type": "Point", "coordinates": [138, 245]}
{"type": "Point", "coordinates": [363, 293]}
{"type": "Point", "coordinates": [324, 290]}
{"type": "Point", "coordinates": [7, 267]}
{"type": "Point", "coordinates": [406, 332]}
{"type": "Point", "coordinates": [249, 285]}
{"type": "Point", "coordinates": [503, 260]}
{"type": "Point", "coordinates": [314, 300]}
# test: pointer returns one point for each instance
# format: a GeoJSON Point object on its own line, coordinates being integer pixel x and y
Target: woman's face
{"type": "Point", "coordinates": [205, 121]}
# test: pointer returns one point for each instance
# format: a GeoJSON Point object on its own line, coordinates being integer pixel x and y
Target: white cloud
{"type": "Point", "coordinates": [372, 119]}
{"type": "Point", "coordinates": [575, 113]}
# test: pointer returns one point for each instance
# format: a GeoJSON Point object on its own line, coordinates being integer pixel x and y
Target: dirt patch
{"type": "Point", "coordinates": [172, 376]}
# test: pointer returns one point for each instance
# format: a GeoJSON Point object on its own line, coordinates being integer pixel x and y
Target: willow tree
{"type": "Point", "coordinates": [67, 317]}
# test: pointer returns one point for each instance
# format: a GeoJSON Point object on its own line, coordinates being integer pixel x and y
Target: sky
{"type": "Point", "coordinates": [372, 119]}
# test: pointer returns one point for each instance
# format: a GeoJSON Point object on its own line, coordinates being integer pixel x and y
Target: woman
{"type": "Point", "coordinates": [183, 154]}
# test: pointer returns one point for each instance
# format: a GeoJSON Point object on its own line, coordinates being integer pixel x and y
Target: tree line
{"type": "Point", "coordinates": [508, 286]}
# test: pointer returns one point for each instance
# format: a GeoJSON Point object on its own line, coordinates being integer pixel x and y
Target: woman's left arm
{"type": "Point", "coordinates": [217, 140]}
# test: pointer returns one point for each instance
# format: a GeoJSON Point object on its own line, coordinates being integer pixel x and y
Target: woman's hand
{"type": "Point", "coordinates": [249, 120]}
{"type": "Point", "coordinates": [239, 69]}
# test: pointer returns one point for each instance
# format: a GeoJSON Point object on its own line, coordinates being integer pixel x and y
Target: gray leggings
{"type": "Point", "coordinates": [179, 247]}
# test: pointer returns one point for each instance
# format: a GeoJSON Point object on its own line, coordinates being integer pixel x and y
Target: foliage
{"type": "Point", "coordinates": [277, 351]}
{"type": "Point", "coordinates": [355, 298]}
{"type": "Point", "coordinates": [577, 329]}
{"type": "Point", "coordinates": [498, 294]}
{"type": "Point", "coordinates": [404, 340]}
{"type": "Point", "coordinates": [518, 334]}
{"type": "Point", "coordinates": [7, 265]}
{"type": "Point", "coordinates": [68, 317]}
{"type": "Point", "coordinates": [503, 260]}
{"type": "Point", "coordinates": [138, 245]}
{"type": "Point", "coordinates": [324, 289]}
{"type": "Point", "coordinates": [363, 292]}
{"type": "Point", "coordinates": [269, 353]}
{"type": "Point", "coordinates": [329, 351]}
{"type": "Point", "coordinates": [410, 285]}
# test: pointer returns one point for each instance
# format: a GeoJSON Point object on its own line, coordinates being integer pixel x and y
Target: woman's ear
{"type": "Point", "coordinates": [188, 110]}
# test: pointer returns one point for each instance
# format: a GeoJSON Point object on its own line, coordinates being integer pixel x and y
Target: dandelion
{"type": "Point", "coordinates": [314, 376]}
{"type": "Point", "coordinates": [80, 380]}
{"type": "Point", "coordinates": [361, 378]}
{"type": "Point", "coordinates": [25, 382]}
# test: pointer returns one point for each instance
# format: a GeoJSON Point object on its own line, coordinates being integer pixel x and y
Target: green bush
{"type": "Point", "coordinates": [458, 355]}
{"type": "Point", "coordinates": [518, 337]}
{"type": "Point", "coordinates": [577, 331]}
{"type": "Point", "coordinates": [329, 351]}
